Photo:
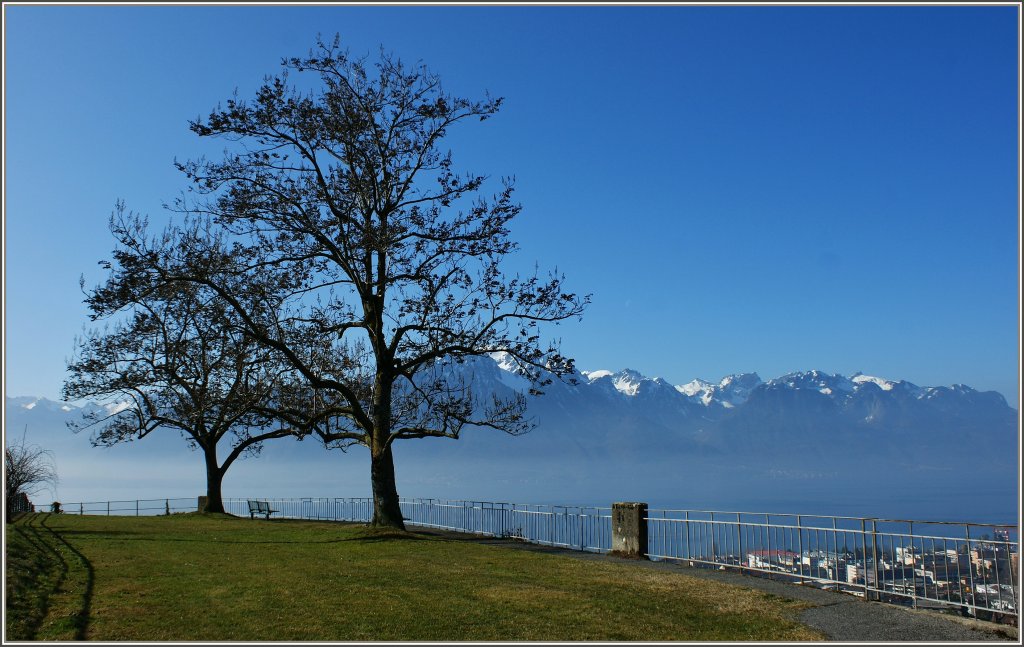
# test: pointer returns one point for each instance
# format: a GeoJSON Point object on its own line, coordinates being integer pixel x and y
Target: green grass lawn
{"type": "Point", "coordinates": [216, 577]}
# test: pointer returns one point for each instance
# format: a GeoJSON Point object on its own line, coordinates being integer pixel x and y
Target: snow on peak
{"type": "Point", "coordinates": [885, 385]}
{"type": "Point", "coordinates": [740, 381]}
{"type": "Point", "coordinates": [699, 389]}
{"type": "Point", "coordinates": [728, 392]}
{"type": "Point", "coordinates": [117, 407]}
{"type": "Point", "coordinates": [39, 404]}
{"type": "Point", "coordinates": [627, 381]}
{"type": "Point", "coordinates": [827, 383]}
{"type": "Point", "coordinates": [735, 389]}
{"type": "Point", "coordinates": [695, 387]}
{"type": "Point", "coordinates": [505, 361]}
{"type": "Point", "coordinates": [510, 373]}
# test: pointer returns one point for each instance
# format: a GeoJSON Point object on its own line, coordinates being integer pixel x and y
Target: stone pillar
{"type": "Point", "coordinates": [202, 503]}
{"type": "Point", "coordinates": [629, 530]}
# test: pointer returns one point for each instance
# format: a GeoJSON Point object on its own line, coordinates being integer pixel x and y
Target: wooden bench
{"type": "Point", "coordinates": [260, 507]}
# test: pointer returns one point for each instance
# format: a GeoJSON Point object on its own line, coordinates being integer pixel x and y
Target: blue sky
{"type": "Point", "coordinates": [764, 189]}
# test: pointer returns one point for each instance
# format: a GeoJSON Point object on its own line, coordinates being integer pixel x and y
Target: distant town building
{"type": "Point", "coordinates": [858, 574]}
{"type": "Point", "coordinates": [772, 559]}
{"type": "Point", "coordinates": [906, 555]}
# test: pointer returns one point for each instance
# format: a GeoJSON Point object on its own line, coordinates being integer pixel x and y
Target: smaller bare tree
{"type": "Point", "coordinates": [174, 358]}
{"type": "Point", "coordinates": [28, 469]}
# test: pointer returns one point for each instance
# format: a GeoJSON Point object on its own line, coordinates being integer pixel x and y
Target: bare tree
{"type": "Point", "coordinates": [392, 260]}
{"type": "Point", "coordinates": [28, 469]}
{"type": "Point", "coordinates": [174, 358]}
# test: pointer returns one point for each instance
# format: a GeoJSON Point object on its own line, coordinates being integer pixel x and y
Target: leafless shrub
{"type": "Point", "coordinates": [28, 470]}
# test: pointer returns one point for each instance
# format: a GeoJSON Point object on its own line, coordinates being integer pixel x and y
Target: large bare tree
{"type": "Point", "coordinates": [173, 357]}
{"type": "Point", "coordinates": [392, 259]}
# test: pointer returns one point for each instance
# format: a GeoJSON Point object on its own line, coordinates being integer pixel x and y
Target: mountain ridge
{"type": "Point", "coordinates": [806, 441]}
{"type": "Point", "coordinates": [730, 390]}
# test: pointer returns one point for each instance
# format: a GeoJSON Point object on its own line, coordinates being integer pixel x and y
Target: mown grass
{"type": "Point", "coordinates": [215, 577]}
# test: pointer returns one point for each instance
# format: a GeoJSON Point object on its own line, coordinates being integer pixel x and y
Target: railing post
{"type": "Point", "coordinates": [739, 542]}
{"type": "Point", "coordinates": [686, 525]}
{"type": "Point", "coordinates": [714, 558]}
{"type": "Point", "coordinates": [81, 508]}
{"type": "Point", "coordinates": [864, 554]}
{"type": "Point", "coordinates": [551, 526]}
{"type": "Point", "coordinates": [629, 530]}
{"type": "Point", "coordinates": [970, 564]}
{"type": "Point", "coordinates": [136, 507]}
{"type": "Point", "coordinates": [913, 565]}
{"type": "Point", "coordinates": [835, 550]}
{"type": "Point", "coordinates": [874, 556]}
{"type": "Point", "coordinates": [581, 530]}
{"type": "Point", "coordinates": [800, 548]}
{"type": "Point", "coordinates": [108, 508]}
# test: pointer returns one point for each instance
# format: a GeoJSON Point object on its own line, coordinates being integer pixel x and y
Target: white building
{"type": "Point", "coordinates": [772, 559]}
{"type": "Point", "coordinates": [906, 555]}
{"type": "Point", "coordinates": [855, 573]}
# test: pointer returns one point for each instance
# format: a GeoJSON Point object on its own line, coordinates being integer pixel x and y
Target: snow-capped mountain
{"type": "Point", "coordinates": [862, 440]}
{"type": "Point", "coordinates": [41, 413]}
{"type": "Point", "coordinates": [731, 391]}
{"type": "Point", "coordinates": [807, 441]}
{"type": "Point", "coordinates": [734, 391]}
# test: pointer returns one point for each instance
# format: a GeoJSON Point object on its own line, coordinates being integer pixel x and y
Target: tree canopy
{"type": "Point", "coordinates": [344, 241]}
{"type": "Point", "coordinates": [173, 357]}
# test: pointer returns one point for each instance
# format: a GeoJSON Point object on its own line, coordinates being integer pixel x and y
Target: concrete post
{"type": "Point", "coordinates": [629, 530]}
{"type": "Point", "coordinates": [202, 503]}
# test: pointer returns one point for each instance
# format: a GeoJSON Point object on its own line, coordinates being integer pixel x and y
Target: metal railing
{"type": "Point", "coordinates": [128, 507]}
{"type": "Point", "coordinates": [576, 527]}
{"type": "Point", "coordinates": [965, 566]}
{"type": "Point", "coordinates": [315, 509]}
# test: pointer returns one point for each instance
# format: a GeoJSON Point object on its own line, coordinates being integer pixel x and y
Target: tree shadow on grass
{"type": "Point", "coordinates": [80, 618]}
{"type": "Point", "coordinates": [45, 575]}
{"type": "Point", "coordinates": [28, 604]}
{"type": "Point", "coordinates": [383, 539]}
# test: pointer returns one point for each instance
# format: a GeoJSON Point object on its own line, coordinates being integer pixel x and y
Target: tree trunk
{"type": "Point", "coordinates": [214, 478]}
{"type": "Point", "coordinates": [386, 511]}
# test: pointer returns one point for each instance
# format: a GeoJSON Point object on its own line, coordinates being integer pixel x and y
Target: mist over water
{"type": "Point", "coordinates": [533, 469]}
{"type": "Point", "coordinates": [687, 485]}
{"type": "Point", "coordinates": [674, 485]}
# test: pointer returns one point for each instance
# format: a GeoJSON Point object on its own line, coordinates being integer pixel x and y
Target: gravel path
{"type": "Point", "coordinates": [840, 616]}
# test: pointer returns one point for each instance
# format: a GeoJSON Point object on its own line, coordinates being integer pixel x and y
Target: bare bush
{"type": "Point", "coordinates": [28, 470]}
